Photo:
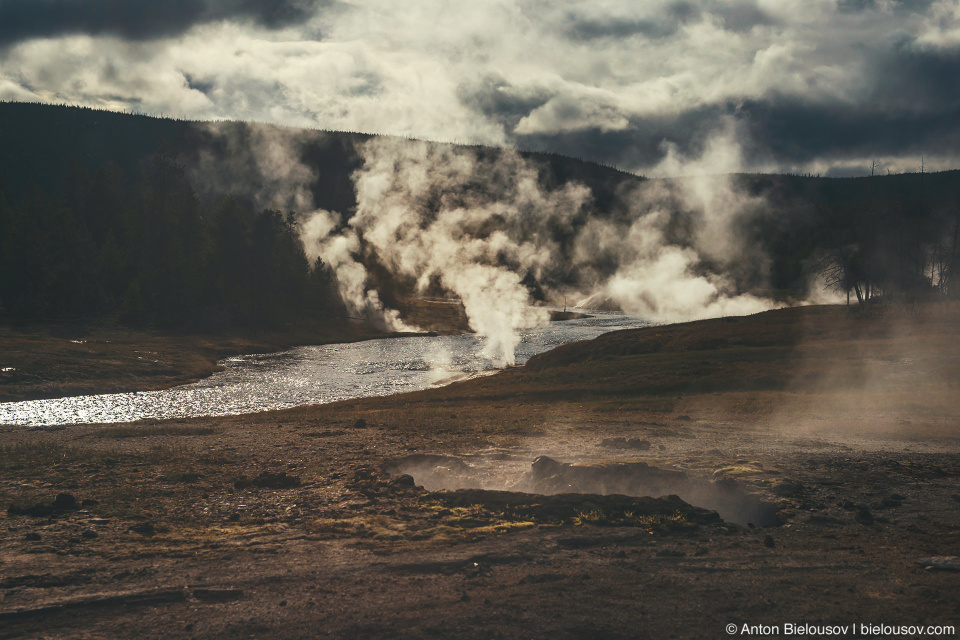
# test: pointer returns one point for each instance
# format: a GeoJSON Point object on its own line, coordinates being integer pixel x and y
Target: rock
{"type": "Point", "coordinates": [864, 516]}
{"type": "Point", "coordinates": [364, 475]}
{"type": "Point", "coordinates": [89, 534]}
{"type": "Point", "coordinates": [638, 443]}
{"type": "Point", "coordinates": [768, 542]}
{"type": "Point", "coordinates": [684, 418]}
{"type": "Point", "coordinates": [404, 480]}
{"type": "Point", "coordinates": [545, 466]}
{"type": "Point", "coordinates": [566, 508]}
{"type": "Point", "coordinates": [144, 528]}
{"type": "Point", "coordinates": [671, 553]}
{"type": "Point", "coordinates": [33, 536]}
{"type": "Point", "coordinates": [62, 503]}
{"type": "Point", "coordinates": [234, 517]}
{"type": "Point", "coordinates": [360, 424]}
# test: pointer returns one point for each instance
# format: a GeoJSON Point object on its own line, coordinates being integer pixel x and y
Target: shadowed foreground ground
{"type": "Point", "coordinates": [840, 432]}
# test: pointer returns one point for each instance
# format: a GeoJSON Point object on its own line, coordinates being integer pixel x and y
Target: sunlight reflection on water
{"type": "Point", "coordinates": [309, 375]}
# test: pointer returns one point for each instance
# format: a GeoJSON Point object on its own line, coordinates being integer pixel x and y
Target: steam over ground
{"type": "Point", "coordinates": [484, 228]}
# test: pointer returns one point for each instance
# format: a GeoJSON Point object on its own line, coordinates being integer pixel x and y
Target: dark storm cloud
{"type": "Point", "coordinates": [916, 79]}
{"type": "Point", "coordinates": [137, 19]}
{"type": "Point", "coordinates": [785, 132]}
{"type": "Point", "coordinates": [495, 98]}
{"type": "Point", "coordinates": [639, 145]}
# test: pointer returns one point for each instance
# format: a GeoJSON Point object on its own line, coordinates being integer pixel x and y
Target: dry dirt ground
{"type": "Point", "coordinates": [828, 443]}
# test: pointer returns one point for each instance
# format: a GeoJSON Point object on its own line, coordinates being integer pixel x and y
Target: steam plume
{"type": "Point", "coordinates": [482, 225]}
{"type": "Point", "coordinates": [664, 278]}
{"type": "Point", "coordinates": [438, 213]}
{"type": "Point", "coordinates": [270, 157]}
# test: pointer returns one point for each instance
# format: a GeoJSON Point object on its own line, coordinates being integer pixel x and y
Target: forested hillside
{"type": "Point", "coordinates": [164, 222]}
{"type": "Point", "coordinates": [141, 247]}
{"type": "Point", "coordinates": [157, 220]}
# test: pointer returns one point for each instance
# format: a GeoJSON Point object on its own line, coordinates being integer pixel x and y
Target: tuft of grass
{"type": "Point", "coordinates": [503, 527]}
{"type": "Point", "coordinates": [374, 526]}
{"type": "Point", "coordinates": [145, 431]}
{"type": "Point", "coordinates": [662, 521]}
{"type": "Point", "coordinates": [738, 471]}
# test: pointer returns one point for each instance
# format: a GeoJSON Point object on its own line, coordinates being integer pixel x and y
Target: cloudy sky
{"type": "Point", "coordinates": [823, 86]}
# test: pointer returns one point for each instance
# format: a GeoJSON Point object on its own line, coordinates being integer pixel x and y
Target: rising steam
{"type": "Point", "coordinates": [438, 214]}
{"type": "Point", "coordinates": [270, 157]}
{"type": "Point", "coordinates": [663, 278]}
{"type": "Point", "coordinates": [482, 226]}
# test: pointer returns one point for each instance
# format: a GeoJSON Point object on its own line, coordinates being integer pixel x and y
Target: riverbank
{"type": "Point", "coordinates": [838, 432]}
{"type": "Point", "coordinates": [54, 360]}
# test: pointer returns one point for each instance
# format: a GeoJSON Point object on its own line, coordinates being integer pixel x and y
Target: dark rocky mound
{"type": "Point", "coordinates": [566, 508]}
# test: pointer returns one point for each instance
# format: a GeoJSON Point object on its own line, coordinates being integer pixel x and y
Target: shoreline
{"type": "Point", "coordinates": [199, 356]}
{"type": "Point", "coordinates": [45, 362]}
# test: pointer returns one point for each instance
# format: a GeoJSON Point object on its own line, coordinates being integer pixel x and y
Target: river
{"type": "Point", "coordinates": [311, 375]}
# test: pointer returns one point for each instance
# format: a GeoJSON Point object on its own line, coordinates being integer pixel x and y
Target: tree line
{"type": "Point", "coordinates": [892, 250]}
{"type": "Point", "coordinates": [143, 249]}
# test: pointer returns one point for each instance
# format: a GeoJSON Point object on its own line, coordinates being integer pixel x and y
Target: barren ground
{"type": "Point", "coordinates": [838, 432]}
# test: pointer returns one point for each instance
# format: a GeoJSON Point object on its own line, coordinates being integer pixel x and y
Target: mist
{"type": "Point", "coordinates": [484, 227]}
{"type": "Point", "coordinates": [664, 278]}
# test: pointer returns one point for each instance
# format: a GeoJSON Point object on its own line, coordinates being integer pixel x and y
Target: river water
{"type": "Point", "coordinates": [310, 375]}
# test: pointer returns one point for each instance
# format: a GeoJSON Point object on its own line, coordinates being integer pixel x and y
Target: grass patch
{"type": "Point", "coordinates": [657, 521]}
{"type": "Point", "coordinates": [145, 431]}
{"type": "Point", "coordinates": [738, 471]}
{"type": "Point", "coordinates": [374, 526]}
{"type": "Point", "coordinates": [180, 477]}
{"type": "Point", "coordinates": [32, 455]}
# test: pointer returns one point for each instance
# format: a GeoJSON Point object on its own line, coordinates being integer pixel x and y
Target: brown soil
{"type": "Point", "coordinates": [840, 432]}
